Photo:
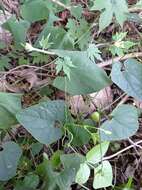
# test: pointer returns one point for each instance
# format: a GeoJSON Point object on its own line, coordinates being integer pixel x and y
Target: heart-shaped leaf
{"type": "Point", "coordinates": [111, 8]}
{"type": "Point", "coordinates": [30, 182]}
{"type": "Point", "coordinates": [10, 104]}
{"type": "Point", "coordinates": [103, 175]}
{"type": "Point", "coordinates": [80, 135]}
{"type": "Point", "coordinates": [85, 78]}
{"type": "Point", "coordinates": [124, 123]}
{"type": "Point", "coordinates": [65, 179]}
{"type": "Point", "coordinates": [9, 158]}
{"type": "Point", "coordinates": [72, 160]}
{"type": "Point", "coordinates": [18, 29]}
{"type": "Point", "coordinates": [35, 10]}
{"type": "Point", "coordinates": [71, 163]}
{"type": "Point", "coordinates": [83, 174]}
{"type": "Point", "coordinates": [40, 120]}
{"type": "Point", "coordinates": [58, 37]}
{"type": "Point", "coordinates": [96, 154]}
{"type": "Point", "coordinates": [128, 76]}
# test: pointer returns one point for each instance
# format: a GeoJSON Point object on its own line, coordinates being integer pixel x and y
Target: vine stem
{"type": "Point", "coordinates": [101, 64]}
{"type": "Point", "coordinates": [86, 188]}
{"type": "Point", "coordinates": [121, 151]}
{"type": "Point", "coordinates": [127, 56]}
{"type": "Point", "coordinates": [30, 48]}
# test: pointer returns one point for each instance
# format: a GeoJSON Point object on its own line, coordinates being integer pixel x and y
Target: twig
{"type": "Point", "coordinates": [84, 187]}
{"type": "Point", "coordinates": [135, 9]}
{"type": "Point", "coordinates": [128, 56]}
{"type": "Point", "coordinates": [123, 100]}
{"type": "Point", "coordinates": [121, 151]}
{"type": "Point", "coordinates": [115, 101]}
{"type": "Point", "coordinates": [61, 4]}
{"type": "Point", "coordinates": [132, 142]}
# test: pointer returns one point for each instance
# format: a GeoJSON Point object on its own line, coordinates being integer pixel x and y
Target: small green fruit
{"type": "Point", "coordinates": [95, 116]}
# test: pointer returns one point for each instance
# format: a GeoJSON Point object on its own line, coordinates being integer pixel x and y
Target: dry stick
{"type": "Point", "coordinates": [123, 100]}
{"type": "Point", "coordinates": [135, 146]}
{"type": "Point", "coordinates": [121, 151]}
{"type": "Point", "coordinates": [135, 9]}
{"type": "Point", "coordinates": [61, 4]}
{"type": "Point", "coordinates": [128, 56]}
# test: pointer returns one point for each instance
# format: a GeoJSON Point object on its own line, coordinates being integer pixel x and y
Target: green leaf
{"type": "Point", "coordinates": [4, 62]}
{"type": "Point", "coordinates": [45, 170]}
{"type": "Point", "coordinates": [85, 78]}
{"type": "Point", "coordinates": [64, 64]}
{"type": "Point", "coordinates": [9, 158]}
{"type": "Point", "coordinates": [120, 9]}
{"type": "Point", "coordinates": [105, 18]}
{"type": "Point", "coordinates": [18, 28]}
{"type": "Point", "coordinates": [65, 179]}
{"type": "Point", "coordinates": [83, 34]}
{"type": "Point", "coordinates": [103, 175]}
{"type": "Point", "coordinates": [36, 148]}
{"type": "Point", "coordinates": [96, 154]}
{"type": "Point", "coordinates": [59, 8]}
{"type": "Point", "coordinates": [31, 181]}
{"type": "Point", "coordinates": [76, 11]}
{"type": "Point", "coordinates": [99, 5]}
{"type": "Point", "coordinates": [71, 164]}
{"type": "Point", "coordinates": [45, 42]}
{"type": "Point", "coordinates": [58, 37]}
{"type": "Point", "coordinates": [35, 10]}
{"type": "Point", "coordinates": [128, 76]}
{"type": "Point", "coordinates": [110, 8]}
{"type": "Point", "coordinates": [71, 26]}
{"type": "Point", "coordinates": [120, 46]}
{"type": "Point", "coordinates": [119, 36]}
{"type": "Point", "coordinates": [55, 158]}
{"type": "Point", "coordinates": [93, 52]}
{"type": "Point", "coordinates": [139, 4]}
{"type": "Point", "coordinates": [83, 174]}
{"type": "Point", "coordinates": [72, 160]}
{"type": "Point", "coordinates": [40, 120]}
{"type": "Point", "coordinates": [2, 45]}
{"type": "Point", "coordinates": [10, 104]}
{"type": "Point", "coordinates": [79, 32]}
{"type": "Point", "coordinates": [124, 123]}
{"type": "Point", "coordinates": [80, 135]}
{"type": "Point", "coordinates": [134, 17]}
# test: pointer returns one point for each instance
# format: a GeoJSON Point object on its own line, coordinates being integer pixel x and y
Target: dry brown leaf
{"type": "Point", "coordinates": [103, 98]}
{"type": "Point", "coordinates": [129, 172]}
{"type": "Point", "coordinates": [24, 80]}
{"type": "Point", "coordinates": [138, 103]}
{"type": "Point", "coordinates": [12, 6]}
{"type": "Point", "coordinates": [2, 85]}
{"type": "Point", "coordinates": [30, 76]}
{"type": "Point", "coordinates": [5, 36]}
{"type": "Point", "coordinates": [99, 100]}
